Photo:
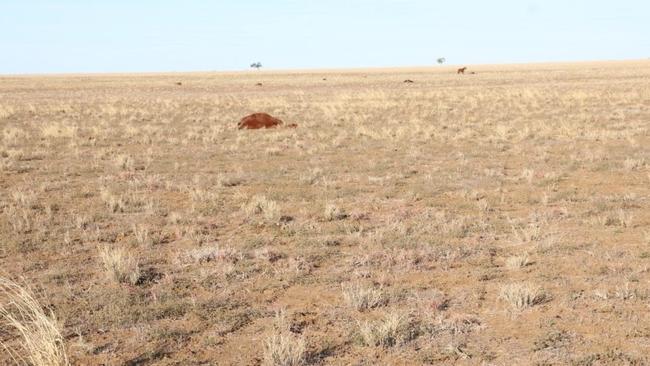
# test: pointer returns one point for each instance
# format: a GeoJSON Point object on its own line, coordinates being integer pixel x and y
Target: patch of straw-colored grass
{"type": "Point", "coordinates": [284, 350]}
{"type": "Point", "coordinates": [120, 265]}
{"type": "Point", "coordinates": [41, 343]}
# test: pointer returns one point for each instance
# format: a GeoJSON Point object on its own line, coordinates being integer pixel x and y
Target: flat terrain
{"type": "Point", "coordinates": [499, 218]}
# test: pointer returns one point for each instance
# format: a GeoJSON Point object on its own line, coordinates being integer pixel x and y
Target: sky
{"type": "Point", "coordinates": [79, 36]}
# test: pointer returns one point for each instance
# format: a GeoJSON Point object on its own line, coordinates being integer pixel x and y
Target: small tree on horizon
{"type": "Point", "coordinates": [441, 60]}
{"type": "Point", "coordinates": [256, 65]}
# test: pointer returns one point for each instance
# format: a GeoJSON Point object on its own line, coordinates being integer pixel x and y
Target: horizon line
{"type": "Point", "coordinates": [315, 69]}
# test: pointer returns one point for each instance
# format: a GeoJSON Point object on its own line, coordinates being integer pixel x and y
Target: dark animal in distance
{"type": "Point", "coordinates": [461, 70]}
{"type": "Point", "coordinates": [260, 120]}
{"type": "Point", "coordinates": [259, 84]}
{"type": "Point", "coordinates": [179, 83]}
{"type": "Point", "coordinates": [408, 81]}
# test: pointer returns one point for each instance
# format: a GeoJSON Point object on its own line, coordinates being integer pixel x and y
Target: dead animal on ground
{"type": "Point", "coordinates": [261, 120]}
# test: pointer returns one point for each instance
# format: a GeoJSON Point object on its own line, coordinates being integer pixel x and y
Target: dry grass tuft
{"type": "Point", "coordinates": [522, 295]}
{"type": "Point", "coordinates": [120, 265]}
{"type": "Point", "coordinates": [362, 298]}
{"type": "Point", "coordinates": [260, 205]}
{"type": "Point", "coordinates": [124, 162]}
{"type": "Point", "coordinates": [284, 350]}
{"type": "Point", "coordinates": [625, 218]}
{"type": "Point", "coordinates": [333, 212]}
{"type": "Point", "coordinates": [41, 343]}
{"type": "Point", "coordinates": [393, 330]}
{"type": "Point", "coordinates": [211, 254]}
{"type": "Point", "coordinates": [631, 164]}
{"type": "Point", "coordinates": [114, 202]}
{"type": "Point", "coordinates": [517, 261]}
{"type": "Point", "coordinates": [58, 130]}
{"type": "Point", "coordinates": [141, 234]}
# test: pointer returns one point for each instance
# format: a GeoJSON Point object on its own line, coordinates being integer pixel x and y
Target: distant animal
{"type": "Point", "coordinates": [179, 83]}
{"type": "Point", "coordinates": [259, 120]}
{"type": "Point", "coordinates": [259, 84]}
{"type": "Point", "coordinates": [324, 79]}
{"type": "Point", "coordinates": [461, 70]}
{"type": "Point", "coordinates": [408, 81]}
{"type": "Point", "coordinates": [473, 73]}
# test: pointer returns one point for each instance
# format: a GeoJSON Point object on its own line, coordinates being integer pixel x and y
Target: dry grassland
{"type": "Point", "coordinates": [491, 219]}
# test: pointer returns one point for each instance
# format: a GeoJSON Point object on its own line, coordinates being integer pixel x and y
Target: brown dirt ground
{"type": "Point", "coordinates": [423, 201]}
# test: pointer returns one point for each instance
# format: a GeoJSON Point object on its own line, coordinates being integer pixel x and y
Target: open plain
{"type": "Point", "coordinates": [496, 218]}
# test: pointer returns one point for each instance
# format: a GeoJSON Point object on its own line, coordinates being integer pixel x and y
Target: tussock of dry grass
{"type": "Point", "coordinates": [262, 206]}
{"type": "Point", "coordinates": [363, 297]}
{"type": "Point", "coordinates": [120, 265]}
{"type": "Point", "coordinates": [517, 261]}
{"type": "Point", "coordinates": [284, 350]}
{"type": "Point", "coordinates": [210, 254]}
{"type": "Point", "coordinates": [39, 340]}
{"type": "Point", "coordinates": [522, 295]}
{"type": "Point", "coordinates": [393, 330]}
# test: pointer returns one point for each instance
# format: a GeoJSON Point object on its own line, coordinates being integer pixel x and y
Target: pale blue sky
{"type": "Point", "coordinates": [41, 36]}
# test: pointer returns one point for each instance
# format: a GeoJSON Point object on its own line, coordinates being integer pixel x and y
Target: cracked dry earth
{"type": "Point", "coordinates": [498, 218]}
